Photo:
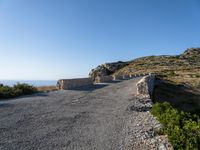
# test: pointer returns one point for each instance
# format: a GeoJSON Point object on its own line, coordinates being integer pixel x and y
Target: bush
{"type": "Point", "coordinates": [183, 129]}
{"type": "Point", "coordinates": [6, 92]}
{"type": "Point", "coordinates": [16, 90]}
{"type": "Point", "coordinates": [25, 88]}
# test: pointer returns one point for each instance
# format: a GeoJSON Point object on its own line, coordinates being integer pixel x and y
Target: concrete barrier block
{"type": "Point", "coordinates": [126, 76]}
{"type": "Point", "coordinates": [118, 77]}
{"type": "Point", "coordinates": [146, 85]}
{"type": "Point", "coordinates": [114, 77]}
{"type": "Point", "coordinates": [103, 79]}
{"type": "Point", "coordinates": [70, 84]}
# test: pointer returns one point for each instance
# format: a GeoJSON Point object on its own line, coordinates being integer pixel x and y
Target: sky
{"type": "Point", "coordinates": [53, 39]}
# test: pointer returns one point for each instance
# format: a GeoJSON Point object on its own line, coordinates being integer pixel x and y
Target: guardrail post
{"type": "Point", "coordinates": [62, 85]}
{"type": "Point", "coordinates": [114, 77]}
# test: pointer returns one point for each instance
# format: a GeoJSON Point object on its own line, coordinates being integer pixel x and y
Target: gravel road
{"type": "Point", "coordinates": [91, 118]}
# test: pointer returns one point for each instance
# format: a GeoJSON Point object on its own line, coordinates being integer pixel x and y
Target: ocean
{"type": "Point", "coordinates": [31, 82]}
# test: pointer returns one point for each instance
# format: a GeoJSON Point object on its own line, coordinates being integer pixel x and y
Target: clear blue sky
{"type": "Point", "coordinates": [52, 39]}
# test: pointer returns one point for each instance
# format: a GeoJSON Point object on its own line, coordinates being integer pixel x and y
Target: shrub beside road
{"type": "Point", "coordinates": [19, 89]}
{"type": "Point", "coordinates": [182, 128]}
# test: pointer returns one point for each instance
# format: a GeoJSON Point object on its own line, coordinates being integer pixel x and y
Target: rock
{"type": "Point", "coordinates": [191, 52]}
{"type": "Point", "coordinates": [142, 104]}
{"type": "Point", "coordinates": [146, 85]}
{"type": "Point", "coordinates": [143, 126]}
{"type": "Point", "coordinates": [107, 69]}
{"type": "Point", "coordinates": [162, 147]}
{"type": "Point", "coordinates": [139, 108]}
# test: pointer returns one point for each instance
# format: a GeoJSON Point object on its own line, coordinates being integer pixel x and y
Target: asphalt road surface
{"type": "Point", "coordinates": [90, 118]}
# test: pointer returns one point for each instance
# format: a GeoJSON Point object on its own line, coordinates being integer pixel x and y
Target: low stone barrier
{"type": "Point", "coordinates": [70, 84]}
{"type": "Point", "coordinates": [145, 89]}
{"type": "Point", "coordinates": [126, 76]}
{"type": "Point", "coordinates": [103, 79]}
{"type": "Point", "coordinates": [146, 85]}
{"type": "Point", "coordinates": [131, 76]}
{"type": "Point", "coordinates": [118, 77]}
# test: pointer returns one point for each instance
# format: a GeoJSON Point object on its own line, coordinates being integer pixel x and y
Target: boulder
{"type": "Point", "coordinates": [106, 69]}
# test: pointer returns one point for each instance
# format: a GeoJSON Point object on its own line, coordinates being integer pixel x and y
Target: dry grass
{"type": "Point", "coordinates": [189, 77]}
{"type": "Point", "coordinates": [47, 88]}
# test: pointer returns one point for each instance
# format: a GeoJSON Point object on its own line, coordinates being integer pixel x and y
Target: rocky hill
{"type": "Point", "coordinates": [179, 77]}
{"type": "Point", "coordinates": [107, 69]}
{"type": "Point", "coordinates": [180, 68]}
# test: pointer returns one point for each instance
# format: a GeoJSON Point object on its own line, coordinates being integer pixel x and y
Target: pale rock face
{"type": "Point", "coordinates": [106, 69]}
{"type": "Point", "coordinates": [146, 85]}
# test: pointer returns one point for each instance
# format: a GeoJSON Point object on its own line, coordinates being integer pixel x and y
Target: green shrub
{"type": "Point", "coordinates": [6, 92]}
{"type": "Point", "coordinates": [16, 90]}
{"type": "Point", "coordinates": [183, 129]}
{"type": "Point", "coordinates": [25, 88]}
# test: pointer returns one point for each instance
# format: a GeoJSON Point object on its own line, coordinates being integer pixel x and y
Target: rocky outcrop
{"type": "Point", "coordinates": [107, 69]}
{"type": "Point", "coordinates": [191, 57]}
{"type": "Point", "coordinates": [191, 52]}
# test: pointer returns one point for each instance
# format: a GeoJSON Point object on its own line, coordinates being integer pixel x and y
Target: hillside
{"type": "Point", "coordinates": [179, 77]}
{"type": "Point", "coordinates": [183, 68]}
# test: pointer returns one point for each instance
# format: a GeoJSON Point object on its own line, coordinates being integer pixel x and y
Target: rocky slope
{"type": "Point", "coordinates": [107, 69]}
{"type": "Point", "coordinates": [184, 67]}
{"type": "Point", "coordinates": [190, 58]}
{"type": "Point", "coordinates": [180, 77]}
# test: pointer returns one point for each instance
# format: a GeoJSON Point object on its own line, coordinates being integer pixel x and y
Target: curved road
{"type": "Point", "coordinates": [83, 119]}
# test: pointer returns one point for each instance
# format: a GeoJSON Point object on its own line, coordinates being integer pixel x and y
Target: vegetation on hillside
{"type": "Point", "coordinates": [17, 90]}
{"type": "Point", "coordinates": [179, 77]}
{"type": "Point", "coordinates": [183, 129]}
{"type": "Point", "coordinates": [184, 68]}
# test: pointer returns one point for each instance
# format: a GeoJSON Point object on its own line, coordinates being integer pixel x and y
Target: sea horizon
{"type": "Point", "coordinates": [30, 82]}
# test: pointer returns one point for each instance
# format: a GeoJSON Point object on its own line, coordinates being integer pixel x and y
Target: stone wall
{"type": "Point", "coordinates": [146, 86]}
{"type": "Point", "coordinates": [128, 76]}
{"type": "Point", "coordinates": [102, 79]}
{"type": "Point", "coordinates": [143, 87]}
{"type": "Point", "coordinates": [70, 84]}
{"type": "Point", "coordinates": [117, 77]}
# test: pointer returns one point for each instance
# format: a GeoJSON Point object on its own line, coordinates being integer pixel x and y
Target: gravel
{"type": "Point", "coordinates": [101, 117]}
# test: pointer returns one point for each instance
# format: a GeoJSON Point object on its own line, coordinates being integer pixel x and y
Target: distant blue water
{"type": "Point", "coordinates": [31, 82]}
